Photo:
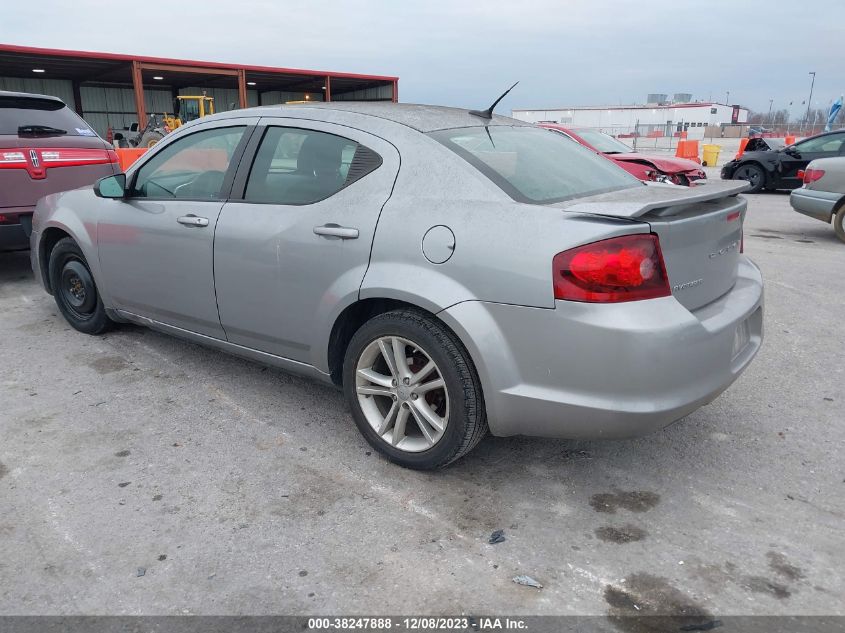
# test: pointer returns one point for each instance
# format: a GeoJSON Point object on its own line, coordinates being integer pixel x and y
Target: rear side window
{"type": "Point", "coordinates": [193, 167]}
{"type": "Point", "coordinates": [534, 165]}
{"type": "Point", "coordinates": [831, 143]}
{"type": "Point", "coordinates": [297, 166]}
{"type": "Point", "coordinates": [32, 116]}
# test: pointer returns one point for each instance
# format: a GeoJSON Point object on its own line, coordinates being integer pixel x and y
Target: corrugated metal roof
{"type": "Point", "coordinates": [98, 57]}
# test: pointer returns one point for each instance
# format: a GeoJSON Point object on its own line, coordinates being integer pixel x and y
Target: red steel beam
{"type": "Point", "coordinates": [328, 92]}
{"type": "Point", "coordinates": [242, 97]}
{"type": "Point", "coordinates": [138, 87]}
{"type": "Point", "coordinates": [198, 70]}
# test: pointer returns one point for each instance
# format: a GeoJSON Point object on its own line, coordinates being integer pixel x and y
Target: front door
{"type": "Point", "coordinates": [156, 245]}
{"type": "Point", "coordinates": [800, 155]}
{"type": "Point", "coordinates": [298, 242]}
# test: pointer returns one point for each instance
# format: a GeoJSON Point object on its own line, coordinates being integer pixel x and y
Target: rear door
{"type": "Point", "coordinates": [802, 153]}
{"type": "Point", "coordinates": [156, 245]}
{"type": "Point", "coordinates": [299, 239]}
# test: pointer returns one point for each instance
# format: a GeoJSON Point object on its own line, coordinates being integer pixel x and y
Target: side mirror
{"type": "Point", "coordinates": [111, 187]}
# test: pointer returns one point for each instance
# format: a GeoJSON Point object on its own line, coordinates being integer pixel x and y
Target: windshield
{"type": "Point", "coordinates": [532, 165]}
{"type": "Point", "coordinates": [603, 142]}
{"type": "Point", "coordinates": [28, 115]}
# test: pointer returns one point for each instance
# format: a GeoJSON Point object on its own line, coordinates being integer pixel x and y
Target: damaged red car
{"type": "Point", "coordinates": [644, 166]}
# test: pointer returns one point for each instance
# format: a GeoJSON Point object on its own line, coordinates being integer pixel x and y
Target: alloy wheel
{"type": "Point", "coordinates": [751, 174]}
{"type": "Point", "coordinates": [402, 393]}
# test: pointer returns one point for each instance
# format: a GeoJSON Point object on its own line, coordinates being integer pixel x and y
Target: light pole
{"type": "Point", "coordinates": [771, 101]}
{"type": "Point", "coordinates": [728, 97]}
{"type": "Point", "coordinates": [810, 100]}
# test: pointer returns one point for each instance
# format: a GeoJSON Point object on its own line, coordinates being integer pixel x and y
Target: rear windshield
{"type": "Point", "coordinates": [18, 112]}
{"type": "Point", "coordinates": [602, 142]}
{"type": "Point", "coordinates": [535, 165]}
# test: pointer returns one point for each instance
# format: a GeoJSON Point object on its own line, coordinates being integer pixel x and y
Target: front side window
{"type": "Point", "coordinates": [297, 166]}
{"type": "Point", "coordinates": [831, 144]}
{"type": "Point", "coordinates": [194, 167]}
{"type": "Point", "coordinates": [532, 165]}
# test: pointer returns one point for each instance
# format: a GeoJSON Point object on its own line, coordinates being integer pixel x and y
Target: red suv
{"type": "Point", "coordinates": [45, 147]}
{"type": "Point", "coordinates": [680, 171]}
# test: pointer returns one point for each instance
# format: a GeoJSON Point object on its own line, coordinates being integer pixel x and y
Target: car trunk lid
{"type": "Point", "coordinates": [700, 231]}
{"type": "Point", "coordinates": [33, 166]}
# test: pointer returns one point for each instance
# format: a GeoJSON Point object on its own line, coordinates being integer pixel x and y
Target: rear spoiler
{"type": "Point", "coordinates": [637, 201]}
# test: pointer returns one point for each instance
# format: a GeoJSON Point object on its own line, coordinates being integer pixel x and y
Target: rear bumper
{"type": "Point", "coordinates": [15, 237]}
{"type": "Point", "coordinates": [607, 370]}
{"type": "Point", "coordinates": [816, 204]}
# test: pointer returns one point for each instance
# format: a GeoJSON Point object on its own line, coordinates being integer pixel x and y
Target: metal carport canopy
{"type": "Point", "coordinates": [138, 70]}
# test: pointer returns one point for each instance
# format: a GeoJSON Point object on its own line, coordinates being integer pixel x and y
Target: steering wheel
{"type": "Point", "coordinates": [207, 184]}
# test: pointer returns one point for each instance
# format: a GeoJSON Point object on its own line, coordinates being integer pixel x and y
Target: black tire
{"type": "Point", "coordinates": [753, 173]}
{"type": "Point", "coordinates": [149, 139]}
{"type": "Point", "coordinates": [74, 289]}
{"type": "Point", "coordinates": [838, 221]}
{"type": "Point", "coordinates": [467, 422]}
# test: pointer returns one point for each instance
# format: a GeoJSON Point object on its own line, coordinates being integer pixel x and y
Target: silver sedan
{"type": "Point", "coordinates": [822, 195]}
{"type": "Point", "coordinates": [452, 273]}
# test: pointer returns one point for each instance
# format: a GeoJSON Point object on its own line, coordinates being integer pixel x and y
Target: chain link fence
{"type": "Point", "coordinates": [664, 138]}
{"type": "Point", "coordinates": [667, 136]}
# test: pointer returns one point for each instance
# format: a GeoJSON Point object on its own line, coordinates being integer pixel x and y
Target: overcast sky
{"type": "Point", "coordinates": [454, 52]}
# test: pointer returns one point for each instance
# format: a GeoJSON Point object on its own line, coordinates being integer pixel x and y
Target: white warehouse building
{"type": "Point", "coordinates": [663, 119]}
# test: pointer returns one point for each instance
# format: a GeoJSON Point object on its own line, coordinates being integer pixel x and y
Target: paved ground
{"type": "Point", "coordinates": [240, 489]}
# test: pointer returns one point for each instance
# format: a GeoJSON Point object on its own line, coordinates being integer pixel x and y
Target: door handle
{"type": "Point", "coordinates": [335, 230]}
{"type": "Point", "coordinates": [192, 220]}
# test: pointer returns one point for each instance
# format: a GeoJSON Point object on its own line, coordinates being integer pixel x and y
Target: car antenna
{"type": "Point", "coordinates": [488, 113]}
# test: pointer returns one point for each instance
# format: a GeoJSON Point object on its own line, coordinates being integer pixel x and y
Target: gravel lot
{"type": "Point", "coordinates": [239, 489]}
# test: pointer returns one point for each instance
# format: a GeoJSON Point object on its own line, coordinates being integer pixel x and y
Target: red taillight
{"type": "Point", "coordinates": [811, 175]}
{"type": "Point", "coordinates": [627, 268]}
{"type": "Point", "coordinates": [37, 160]}
{"type": "Point", "coordinates": [11, 159]}
{"type": "Point", "coordinates": [73, 157]}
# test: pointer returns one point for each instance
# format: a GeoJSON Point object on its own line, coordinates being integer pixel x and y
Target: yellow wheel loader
{"type": "Point", "coordinates": [186, 108]}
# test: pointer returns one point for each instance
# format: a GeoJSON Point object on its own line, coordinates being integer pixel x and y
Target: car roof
{"type": "Point", "coordinates": [423, 118]}
{"type": "Point", "coordinates": [29, 95]}
{"type": "Point", "coordinates": [822, 134]}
